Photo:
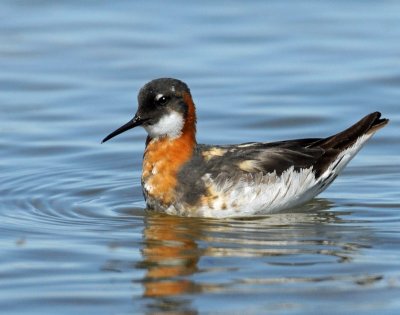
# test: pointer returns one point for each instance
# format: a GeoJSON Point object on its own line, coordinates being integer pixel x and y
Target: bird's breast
{"type": "Point", "coordinates": [163, 158]}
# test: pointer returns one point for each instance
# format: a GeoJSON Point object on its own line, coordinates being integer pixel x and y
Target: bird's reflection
{"type": "Point", "coordinates": [171, 249]}
{"type": "Point", "coordinates": [170, 255]}
{"type": "Point", "coordinates": [174, 247]}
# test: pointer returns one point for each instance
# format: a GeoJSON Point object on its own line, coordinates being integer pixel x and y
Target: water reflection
{"type": "Point", "coordinates": [170, 253]}
{"type": "Point", "coordinates": [186, 255]}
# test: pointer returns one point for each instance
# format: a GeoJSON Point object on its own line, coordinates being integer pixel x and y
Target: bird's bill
{"type": "Point", "coordinates": [136, 121]}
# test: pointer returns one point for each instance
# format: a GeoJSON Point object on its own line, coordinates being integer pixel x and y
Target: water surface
{"type": "Point", "coordinates": [74, 236]}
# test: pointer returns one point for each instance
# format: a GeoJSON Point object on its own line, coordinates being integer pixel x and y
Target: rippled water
{"type": "Point", "coordinates": [74, 238]}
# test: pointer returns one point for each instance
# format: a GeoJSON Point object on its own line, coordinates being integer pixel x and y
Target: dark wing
{"type": "Point", "coordinates": [277, 157]}
{"type": "Point", "coordinates": [230, 162]}
{"type": "Point", "coordinates": [222, 163]}
{"type": "Point", "coordinates": [261, 157]}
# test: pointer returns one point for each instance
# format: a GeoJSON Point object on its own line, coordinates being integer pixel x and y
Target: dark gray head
{"type": "Point", "coordinates": [164, 106]}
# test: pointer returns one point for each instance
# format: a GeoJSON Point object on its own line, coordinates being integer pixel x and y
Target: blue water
{"type": "Point", "coordinates": [74, 236]}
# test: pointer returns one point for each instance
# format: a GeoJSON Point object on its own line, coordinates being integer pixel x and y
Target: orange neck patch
{"type": "Point", "coordinates": [164, 157]}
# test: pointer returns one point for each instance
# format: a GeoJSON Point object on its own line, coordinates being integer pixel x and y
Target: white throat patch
{"type": "Point", "coordinates": [170, 125]}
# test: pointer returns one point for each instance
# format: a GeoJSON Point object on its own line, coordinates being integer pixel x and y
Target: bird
{"type": "Point", "coordinates": [184, 178]}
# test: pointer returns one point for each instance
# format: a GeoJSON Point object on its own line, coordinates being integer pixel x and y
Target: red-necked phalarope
{"type": "Point", "coordinates": [184, 178]}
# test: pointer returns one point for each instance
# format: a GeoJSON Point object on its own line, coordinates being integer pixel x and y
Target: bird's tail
{"type": "Point", "coordinates": [342, 140]}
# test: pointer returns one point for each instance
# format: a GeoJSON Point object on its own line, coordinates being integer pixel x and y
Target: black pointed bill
{"type": "Point", "coordinates": [136, 121]}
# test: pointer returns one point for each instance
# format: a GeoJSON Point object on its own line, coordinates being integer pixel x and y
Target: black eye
{"type": "Point", "coordinates": [162, 99]}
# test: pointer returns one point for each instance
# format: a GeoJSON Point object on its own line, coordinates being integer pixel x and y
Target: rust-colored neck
{"type": "Point", "coordinates": [164, 157]}
{"type": "Point", "coordinates": [189, 128]}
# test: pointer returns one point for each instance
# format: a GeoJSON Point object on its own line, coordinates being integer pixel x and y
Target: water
{"type": "Point", "coordinates": [74, 238]}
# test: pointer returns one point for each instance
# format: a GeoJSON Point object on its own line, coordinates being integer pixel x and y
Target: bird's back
{"type": "Point", "coordinates": [257, 178]}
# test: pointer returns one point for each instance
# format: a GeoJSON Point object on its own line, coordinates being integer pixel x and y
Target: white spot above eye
{"type": "Point", "coordinates": [158, 96]}
{"type": "Point", "coordinates": [169, 125]}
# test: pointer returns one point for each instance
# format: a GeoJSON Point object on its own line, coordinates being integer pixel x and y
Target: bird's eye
{"type": "Point", "coordinates": [161, 99]}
